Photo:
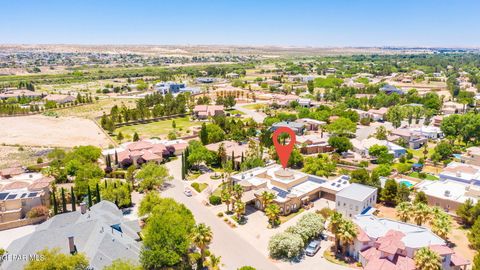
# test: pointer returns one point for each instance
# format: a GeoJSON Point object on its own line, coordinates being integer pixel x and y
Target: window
{"type": "Point", "coordinates": [339, 203]}
{"type": "Point", "coordinates": [344, 204]}
{"type": "Point", "coordinates": [351, 207]}
{"type": "Point", "coordinates": [356, 208]}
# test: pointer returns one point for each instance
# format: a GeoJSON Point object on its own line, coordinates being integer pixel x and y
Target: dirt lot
{"type": "Point", "coordinates": [11, 156]}
{"type": "Point", "coordinates": [39, 130]}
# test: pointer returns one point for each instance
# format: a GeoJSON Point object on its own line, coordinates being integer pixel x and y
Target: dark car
{"type": "Point", "coordinates": [312, 248]}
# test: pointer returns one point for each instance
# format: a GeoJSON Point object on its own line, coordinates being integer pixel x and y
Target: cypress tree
{"type": "Point", "coordinates": [233, 160]}
{"type": "Point", "coordinates": [64, 201]}
{"type": "Point", "coordinates": [105, 184]}
{"type": "Point", "coordinates": [116, 157]}
{"type": "Point", "coordinates": [204, 134]}
{"type": "Point", "coordinates": [74, 205]}
{"type": "Point", "coordinates": [98, 194]}
{"type": "Point", "coordinates": [89, 194]}
{"type": "Point", "coordinates": [241, 160]}
{"type": "Point", "coordinates": [54, 201]}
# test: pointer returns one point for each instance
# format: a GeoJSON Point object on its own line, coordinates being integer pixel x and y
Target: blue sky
{"type": "Point", "coordinates": [246, 22]}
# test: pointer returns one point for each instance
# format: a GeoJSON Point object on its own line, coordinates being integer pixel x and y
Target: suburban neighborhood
{"type": "Point", "coordinates": [239, 157]}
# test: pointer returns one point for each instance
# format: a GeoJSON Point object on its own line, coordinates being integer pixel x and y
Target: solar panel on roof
{"type": "Point", "coordinates": [23, 195]}
{"type": "Point", "coordinates": [33, 194]}
{"type": "Point", "coordinates": [3, 195]}
{"type": "Point", "coordinates": [11, 197]}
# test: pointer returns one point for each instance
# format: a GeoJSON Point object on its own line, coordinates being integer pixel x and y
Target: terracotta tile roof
{"type": "Point", "coordinates": [158, 149]}
{"type": "Point", "coordinates": [140, 145]}
{"type": "Point", "coordinates": [405, 263]}
{"type": "Point", "coordinates": [11, 171]}
{"type": "Point", "coordinates": [38, 186]}
{"type": "Point", "coordinates": [148, 156]}
{"type": "Point", "coordinates": [380, 264]}
{"type": "Point", "coordinates": [457, 260]}
{"type": "Point", "coordinates": [441, 250]}
{"type": "Point", "coordinates": [124, 155]}
{"type": "Point", "coordinates": [15, 185]}
{"type": "Point", "coordinates": [371, 253]}
{"type": "Point", "coordinates": [362, 236]}
{"type": "Point", "coordinates": [391, 242]}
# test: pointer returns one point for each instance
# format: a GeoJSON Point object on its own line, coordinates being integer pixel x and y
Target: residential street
{"type": "Point", "coordinates": [235, 251]}
{"type": "Point", "coordinates": [257, 116]}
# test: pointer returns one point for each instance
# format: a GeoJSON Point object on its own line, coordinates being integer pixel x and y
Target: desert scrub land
{"type": "Point", "coordinates": [18, 155]}
{"type": "Point", "coordinates": [95, 109]}
{"type": "Point", "coordinates": [48, 131]}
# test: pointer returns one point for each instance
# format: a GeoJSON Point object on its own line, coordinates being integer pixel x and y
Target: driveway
{"type": "Point", "coordinates": [257, 116]}
{"type": "Point", "coordinates": [235, 251]}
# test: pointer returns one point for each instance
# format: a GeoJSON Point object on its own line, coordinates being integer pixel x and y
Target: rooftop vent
{"type": "Point", "coordinates": [447, 193]}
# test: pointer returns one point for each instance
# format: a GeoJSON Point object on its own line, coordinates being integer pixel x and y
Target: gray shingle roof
{"type": "Point", "coordinates": [92, 232]}
{"type": "Point", "coordinates": [356, 192]}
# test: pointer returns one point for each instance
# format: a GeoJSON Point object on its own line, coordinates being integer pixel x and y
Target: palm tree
{"type": "Point", "coordinates": [272, 211]}
{"type": "Point", "coordinates": [347, 232]}
{"type": "Point", "coordinates": [213, 262]}
{"type": "Point", "coordinates": [335, 221]}
{"type": "Point", "coordinates": [266, 198]}
{"type": "Point", "coordinates": [404, 210]}
{"type": "Point", "coordinates": [226, 198]}
{"type": "Point", "coordinates": [441, 223]}
{"type": "Point", "coordinates": [237, 192]}
{"type": "Point", "coordinates": [421, 213]}
{"type": "Point", "coordinates": [426, 259]}
{"type": "Point", "coordinates": [201, 237]}
{"type": "Point", "coordinates": [239, 209]}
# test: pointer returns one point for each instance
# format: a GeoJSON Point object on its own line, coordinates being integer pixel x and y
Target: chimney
{"type": "Point", "coordinates": [83, 208]}
{"type": "Point", "coordinates": [71, 245]}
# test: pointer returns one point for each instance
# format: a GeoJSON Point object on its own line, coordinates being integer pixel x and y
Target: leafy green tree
{"type": "Point", "coordinates": [426, 259]}
{"type": "Point", "coordinates": [444, 150]}
{"type": "Point", "coordinates": [476, 262]}
{"type": "Point", "coordinates": [149, 202]}
{"type": "Point", "coordinates": [381, 153]}
{"type": "Point", "coordinates": [167, 236]}
{"type": "Point", "coordinates": [403, 193]}
{"type": "Point", "coordinates": [395, 115]}
{"type": "Point", "coordinates": [54, 260]}
{"type": "Point", "coordinates": [198, 153]}
{"type": "Point", "coordinates": [118, 193]}
{"type": "Point", "coordinates": [320, 166]}
{"type": "Point", "coordinates": [466, 212]}
{"type": "Point", "coordinates": [342, 126]}
{"type": "Point", "coordinates": [120, 264]}
{"type": "Point", "coordinates": [341, 144]}
{"type": "Point", "coordinates": [152, 176]}
{"type": "Point", "coordinates": [420, 197]}
{"type": "Point", "coordinates": [308, 226]}
{"type": "Point", "coordinates": [389, 192]}
{"type": "Point", "coordinates": [474, 235]}
{"type": "Point", "coordinates": [381, 133]}
{"type": "Point", "coordinates": [214, 133]}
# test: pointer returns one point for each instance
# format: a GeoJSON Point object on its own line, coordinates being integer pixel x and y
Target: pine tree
{"type": "Point", "coordinates": [136, 138]}
{"type": "Point", "coordinates": [98, 194]}
{"type": "Point", "coordinates": [89, 194]}
{"type": "Point", "coordinates": [204, 134]}
{"type": "Point", "coordinates": [74, 205]}
{"type": "Point", "coordinates": [64, 201]}
{"type": "Point", "coordinates": [54, 200]}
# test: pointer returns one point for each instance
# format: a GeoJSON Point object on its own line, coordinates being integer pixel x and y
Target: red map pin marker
{"type": "Point", "coordinates": [284, 151]}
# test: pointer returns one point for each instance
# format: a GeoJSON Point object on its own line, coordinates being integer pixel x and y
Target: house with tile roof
{"type": "Point", "coordinates": [101, 233]}
{"type": "Point", "coordinates": [385, 244]}
{"type": "Point", "coordinates": [20, 193]}
{"type": "Point", "coordinates": [205, 111]}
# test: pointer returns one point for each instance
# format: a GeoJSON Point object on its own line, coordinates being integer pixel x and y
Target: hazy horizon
{"type": "Point", "coordinates": [319, 24]}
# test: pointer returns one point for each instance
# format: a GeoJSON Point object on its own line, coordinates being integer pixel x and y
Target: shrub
{"type": "Point", "coordinates": [220, 214]}
{"type": "Point", "coordinates": [365, 121]}
{"type": "Point", "coordinates": [34, 168]}
{"type": "Point", "coordinates": [196, 186]}
{"type": "Point", "coordinates": [39, 160]}
{"type": "Point", "coordinates": [215, 200]}
{"type": "Point", "coordinates": [285, 246]}
{"type": "Point", "coordinates": [246, 268]}
{"type": "Point", "coordinates": [308, 227]}
{"type": "Point", "coordinates": [38, 211]}
{"type": "Point", "coordinates": [325, 212]}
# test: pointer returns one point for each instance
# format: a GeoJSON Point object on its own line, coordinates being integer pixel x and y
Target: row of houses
{"type": "Point", "coordinates": [19, 93]}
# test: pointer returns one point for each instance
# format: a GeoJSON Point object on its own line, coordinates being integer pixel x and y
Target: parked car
{"type": "Point", "coordinates": [187, 192]}
{"type": "Point", "coordinates": [312, 248]}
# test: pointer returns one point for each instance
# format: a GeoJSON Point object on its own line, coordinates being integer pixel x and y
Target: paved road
{"type": "Point", "coordinates": [257, 116]}
{"type": "Point", "coordinates": [235, 251]}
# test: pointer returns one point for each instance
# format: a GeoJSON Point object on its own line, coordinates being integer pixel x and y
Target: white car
{"type": "Point", "coordinates": [187, 192]}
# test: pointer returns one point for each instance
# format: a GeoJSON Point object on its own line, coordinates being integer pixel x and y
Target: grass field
{"type": "Point", "coordinates": [96, 109]}
{"type": "Point", "coordinates": [254, 106]}
{"type": "Point", "coordinates": [158, 129]}
{"type": "Point", "coordinates": [428, 177]}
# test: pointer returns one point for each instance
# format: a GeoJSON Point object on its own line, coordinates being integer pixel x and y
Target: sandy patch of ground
{"type": "Point", "coordinates": [11, 156]}
{"type": "Point", "coordinates": [39, 130]}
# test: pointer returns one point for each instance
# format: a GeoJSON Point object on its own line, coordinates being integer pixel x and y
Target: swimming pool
{"type": "Point", "coordinates": [406, 183]}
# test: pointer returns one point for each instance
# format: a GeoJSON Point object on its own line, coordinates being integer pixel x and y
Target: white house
{"type": "Point", "coordinates": [355, 199]}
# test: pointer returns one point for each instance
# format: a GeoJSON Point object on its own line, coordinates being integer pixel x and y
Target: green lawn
{"type": "Point", "coordinates": [418, 153]}
{"type": "Point", "coordinates": [284, 219]}
{"type": "Point", "coordinates": [429, 176]}
{"type": "Point", "coordinates": [234, 112]}
{"type": "Point", "coordinates": [157, 129]}
{"type": "Point", "coordinates": [200, 187]}
{"type": "Point", "coordinates": [254, 106]}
